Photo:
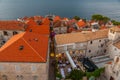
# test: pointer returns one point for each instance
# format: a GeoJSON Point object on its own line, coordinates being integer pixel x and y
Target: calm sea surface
{"type": "Point", "coordinates": [12, 9]}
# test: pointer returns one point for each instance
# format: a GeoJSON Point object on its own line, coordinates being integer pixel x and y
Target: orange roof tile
{"type": "Point", "coordinates": [34, 48]}
{"type": "Point", "coordinates": [65, 19]}
{"type": "Point", "coordinates": [103, 27]}
{"type": "Point", "coordinates": [115, 28]}
{"type": "Point", "coordinates": [46, 21]}
{"type": "Point", "coordinates": [41, 29]}
{"type": "Point", "coordinates": [11, 25]}
{"type": "Point", "coordinates": [81, 23]}
{"type": "Point", "coordinates": [57, 18]}
{"type": "Point", "coordinates": [31, 22]}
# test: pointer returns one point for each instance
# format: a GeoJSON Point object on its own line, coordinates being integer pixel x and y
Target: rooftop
{"type": "Point", "coordinates": [11, 25]}
{"type": "Point", "coordinates": [116, 29]}
{"type": "Point", "coordinates": [81, 23]}
{"type": "Point", "coordinates": [80, 37]}
{"type": "Point", "coordinates": [117, 44]}
{"type": "Point", "coordinates": [25, 47]}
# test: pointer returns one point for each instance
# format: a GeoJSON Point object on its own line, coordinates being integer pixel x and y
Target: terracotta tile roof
{"type": "Point", "coordinates": [41, 29]}
{"type": "Point", "coordinates": [57, 18]}
{"type": "Point", "coordinates": [65, 19]}
{"type": "Point", "coordinates": [103, 27]}
{"type": "Point", "coordinates": [81, 23]}
{"type": "Point", "coordinates": [31, 22]}
{"type": "Point", "coordinates": [116, 29]}
{"type": "Point", "coordinates": [60, 24]}
{"type": "Point", "coordinates": [11, 25]}
{"type": "Point", "coordinates": [117, 44]}
{"type": "Point", "coordinates": [80, 37]}
{"type": "Point", "coordinates": [25, 47]}
{"type": "Point", "coordinates": [46, 21]}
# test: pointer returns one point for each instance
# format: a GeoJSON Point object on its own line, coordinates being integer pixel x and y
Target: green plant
{"type": "Point", "coordinates": [75, 74]}
{"type": "Point", "coordinates": [96, 73]}
{"type": "Point", "coordinates": [115, 22]}
{"type": "Point", "coordinates": [58, 75]}
{"type": "Point", "coordinates": [99, 17]}
{"type": "Point", "coordinates": [76, 17]}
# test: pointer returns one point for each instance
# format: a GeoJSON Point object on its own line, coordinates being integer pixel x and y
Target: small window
{"type": "Point", "coordinates": [99, 40]}
{"type": "Point", "coordinates": [4, 77]}
{"type": "Point", "coordinates": [30, 30]}
{"type": "Point", "coordinates": [17, 67]}
{"type": "Point", "coordinates": [117, 60]}
{"type": "Point", "coordinates": [105, 51]}
{"type": "Point", "coordinates": [21, 47]}
{"type": "Point", "coordinates": [14, 32]}
{"type": "Point", "coordinates": [1, 67]}
{"type": "Point", "coordinates": [5, 33]}
{"type": "Point", "coordinates": [91, 42]}
{"type": "Point", "coordinates": [102, 45]}
{"type": "Point", "coordinates": [33, 68]}
{"type": "Point", "coordinates": [3, 42]}
{"type": "Point", "coordinates": [89, 51]}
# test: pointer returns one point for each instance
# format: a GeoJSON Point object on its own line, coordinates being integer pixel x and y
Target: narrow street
{"type": "Point", "coordinates": [52, 60]}
{"type": "Point", "coordinates": [51, 65]}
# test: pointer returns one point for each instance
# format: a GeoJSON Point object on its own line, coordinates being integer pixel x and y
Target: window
{"type": "Point", "coordinates": [17, 67]}
{"type": "Point", "coordinates": [91, 42]}
{"type": "Point", "coordinates": [14, 32]}
{"type": "Point", "coordinates": [4, 77]}
{"type": "Point", "coordinates": [1, 67]}
{"type": "Point", "coordinates": [117, 60]}
{"type": "Point", "coordinates": [99, 40]}
{"type": "Point", "coordinates": [21, 47]}
{"type": "Point", "coordinates": [5, 33]}
{"type": "Point", "coordinates": [102, 45]}
{"type": "Point", "coordinates": [105, 51]}
{"type": "Point", "coordinates": [89, 51]}
{"type": "Point", "coordinates": [19, 77]}
{"type": "Point", "coordinates": [115, 49]}
{"type": "Point", "coordinates": [35, 77]}
{"type": "Point", "coordinates": [33, 68]}
{"type": "Point", "coordinates": [30, 30]}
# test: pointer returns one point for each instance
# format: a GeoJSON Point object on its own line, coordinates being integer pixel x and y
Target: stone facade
{"type": "Point", "coordinates": [90, 48]}
{"type": "Point", "coordinates": [60, 30]}
{"type": "Point", "coordinates": [112, 71]}
{"type": "Point", "coordinates": [23, 71]}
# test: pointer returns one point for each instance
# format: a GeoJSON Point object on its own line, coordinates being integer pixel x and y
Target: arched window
{"type": "Point", "coordinates": [4, 77]}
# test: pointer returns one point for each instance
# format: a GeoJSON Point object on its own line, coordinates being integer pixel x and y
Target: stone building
{"type": "Point", "coordinates": [60, 27]}
{"type": "Point", "coordinates": [89, 44]}
{"type": "Point", "coordinates": [25, 57]}
{"type": "Point", "coordinates": [112, 70]}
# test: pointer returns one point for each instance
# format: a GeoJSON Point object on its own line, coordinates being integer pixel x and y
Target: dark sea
{"type": "Point", "coordinates": [12, 9]}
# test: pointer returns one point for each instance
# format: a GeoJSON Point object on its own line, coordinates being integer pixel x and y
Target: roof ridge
{"type": "Point", "coordinates": [11, 43]}
{"type": "Point", "coordinates": [33, 49]}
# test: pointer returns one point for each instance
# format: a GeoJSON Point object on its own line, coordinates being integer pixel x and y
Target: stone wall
{"type": "Point", "coordinates": [27, 71]}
